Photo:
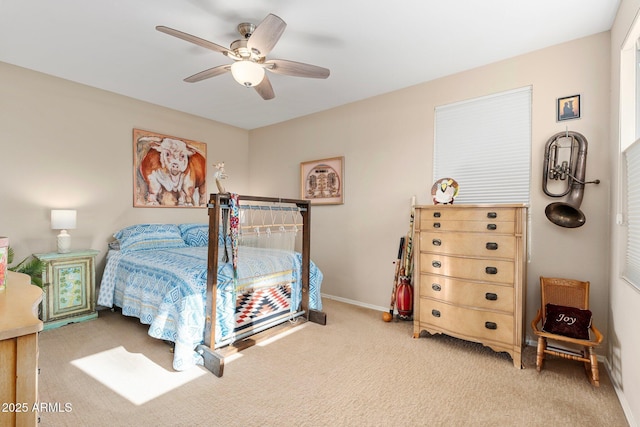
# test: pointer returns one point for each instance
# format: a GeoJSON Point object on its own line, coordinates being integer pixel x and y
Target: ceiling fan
{"type": "Point", "coordinates": [249, 54]}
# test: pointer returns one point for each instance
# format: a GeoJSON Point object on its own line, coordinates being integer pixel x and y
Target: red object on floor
{"type": "Point", "coordinates": [404, 299]}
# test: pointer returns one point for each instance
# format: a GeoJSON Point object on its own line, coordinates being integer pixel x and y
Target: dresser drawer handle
{"type": "Point", "coordinates": [436, 225]}
{"type": "Point", "coordinates": [436, 214]}
{"type": "Point", "coordinates": [491, 270]}
{"type": "Point", "coordinates": [492, 246]}
{"type": "Point", "coordinates": [492, 215]}
{"type": "Point", "coordinates": [436, 264]}
{"type": "Point", "coordinates": [435, 313]}
{"type": "Point", "coordinates": [491, 227]}
{"type": "Point", "coordinates": [436, 242]}
{"type": "Point", "coordinates": [490, 325]}
{"type": "Point", "coordinates": [436, 287]}
{"type": "Point", "coordinates": [491, 296]}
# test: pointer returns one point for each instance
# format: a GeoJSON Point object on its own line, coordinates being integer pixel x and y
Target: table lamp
{"type": "Point", "coordinates": [63, 220]}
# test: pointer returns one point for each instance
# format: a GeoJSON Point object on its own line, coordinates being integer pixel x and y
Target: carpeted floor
{"type": "Point", "coordinates": [355, 371]}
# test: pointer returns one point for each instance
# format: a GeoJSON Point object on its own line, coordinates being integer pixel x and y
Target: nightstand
{"type": "Point", "coordinates": [69, 282]}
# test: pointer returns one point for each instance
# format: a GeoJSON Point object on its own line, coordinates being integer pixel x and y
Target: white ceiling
{"type": "Point", "coordinates": [370, 46]}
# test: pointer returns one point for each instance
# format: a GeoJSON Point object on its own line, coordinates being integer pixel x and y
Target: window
{"type": "Point", "coordinates": [630, 149]}
{"type": "Point", "coordinates": [637, 91]}
{"type": "Point", "coordinates": [485, 145]}
{"type": "Point", "coordinates": [632, 267]}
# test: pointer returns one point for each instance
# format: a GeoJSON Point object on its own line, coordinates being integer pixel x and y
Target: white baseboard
{"type": "Point", "coordinates": [621, 397]}
{"type": "Point", "coordinates": [354, 302]}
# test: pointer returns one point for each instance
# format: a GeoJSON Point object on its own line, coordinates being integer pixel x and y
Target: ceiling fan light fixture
{"type": "Point", "coordinates": [247, 73]}
{"type": "Point", "coordinates": [250, 56]}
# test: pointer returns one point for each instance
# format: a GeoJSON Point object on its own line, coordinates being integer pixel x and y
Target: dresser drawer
{"type": "Point", "coordinates": [470, 294]}
{"type": "Point", "coordinates": [471, 244]}
{"type": "Point", "coordinates": [447, 213]}
{"type": "Point", "coordinates": [479, 324]}
{"type": "Point", "coordinates": [488, 270]}
{"type": "Point", "coordinates": [447, 218]}
{"type": "Point", "coordinates": [487, 226]}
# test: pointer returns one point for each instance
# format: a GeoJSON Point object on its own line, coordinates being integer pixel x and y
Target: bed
{"type": "Point", "coordinates": [179, 280]}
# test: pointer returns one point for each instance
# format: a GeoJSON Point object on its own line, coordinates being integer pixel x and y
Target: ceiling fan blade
{"type": "Point", "coordinates": [266, 35]}
{"type": "Point", "coordinates": [195, 40]}
{"type": "Point", "coordinates": [211, 72]}
{"type": "Point", "coordinates": [298, 69]}
{"type": "Point", "coordinates": [264, 89]}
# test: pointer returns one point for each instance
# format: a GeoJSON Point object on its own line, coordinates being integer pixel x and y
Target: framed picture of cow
{"type": "Point", "coordinates": [168, 171]}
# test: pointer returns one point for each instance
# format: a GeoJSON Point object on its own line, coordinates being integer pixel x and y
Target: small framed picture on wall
{"type": "Point", "coordinates": [568, 108]}
{"type": "Point", "coordinates": [322, 181]}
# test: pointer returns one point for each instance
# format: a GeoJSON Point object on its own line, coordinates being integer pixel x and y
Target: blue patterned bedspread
{"type": "Point", "coordinates": [166, 289]}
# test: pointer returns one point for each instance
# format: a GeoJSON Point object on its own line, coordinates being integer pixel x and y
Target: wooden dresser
{"type": "Point", "coordinates": [470, 275]}
{"type": "Point", "coordinates": [19, 327]}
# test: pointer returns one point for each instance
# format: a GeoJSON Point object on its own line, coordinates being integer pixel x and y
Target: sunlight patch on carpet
{"type": "Point", "coordinates": [132, 375]}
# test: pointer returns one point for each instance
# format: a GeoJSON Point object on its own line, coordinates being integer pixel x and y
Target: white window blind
{"type": "Point", "coordinates": [485, 145]}
{"type": "Point", "coordinates": [632, 266]}
{"type": "Point", "coordinates": [637, 101]}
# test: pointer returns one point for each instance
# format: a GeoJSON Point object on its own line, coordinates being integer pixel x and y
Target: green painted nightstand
{"type": "Point", "coordinates": [69, 282]}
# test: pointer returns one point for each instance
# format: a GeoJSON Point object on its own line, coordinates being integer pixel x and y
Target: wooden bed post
{"type": "Point", "coordinates": [212, 360]}
{"type": "Point", "coordinates": [212, 268]}
{"type": "Point", "coordinates": [306, 259]}
{"type": "Point", "coordinates": [314, 316]}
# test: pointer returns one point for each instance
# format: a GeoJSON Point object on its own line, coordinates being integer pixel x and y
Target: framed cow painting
{"type": "Point", "coordinates": [168, 171]}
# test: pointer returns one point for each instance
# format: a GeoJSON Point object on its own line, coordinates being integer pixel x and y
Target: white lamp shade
{"type": "Point", "coordinates": [63, 219]}
{"type": "Point", "coordinates": [247, 73]}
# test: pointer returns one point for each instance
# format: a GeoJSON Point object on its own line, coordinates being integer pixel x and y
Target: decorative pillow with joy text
{"type": "Point", "coordinates": [568, 321]}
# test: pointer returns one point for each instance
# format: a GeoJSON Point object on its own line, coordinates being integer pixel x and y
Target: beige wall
{"type": "Point", "coordinates": [624, 322]}
{"type": "Point", "coordinates": [65, 145]}
{"type": "Point", "coordinates": [387, 142]}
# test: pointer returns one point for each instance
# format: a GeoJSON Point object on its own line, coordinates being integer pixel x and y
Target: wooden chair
{"type": "Point", "coordinates": [567, 293]}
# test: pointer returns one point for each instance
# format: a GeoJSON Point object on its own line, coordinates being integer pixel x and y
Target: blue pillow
{"type": "Point", "coordinates": [198, 234]}
{"type": "Point", "coordinates": [195, 234]}
{"type": "Point", "coordinates": [149, 236]}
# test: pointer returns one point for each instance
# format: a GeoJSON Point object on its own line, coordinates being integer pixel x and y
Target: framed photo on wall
{"type": "Point", "coordinates": [322, 181]}
{"type": "Point", "coordinates": [568, 108]}
{"type": "Point", "coordinates": [168, 171]}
